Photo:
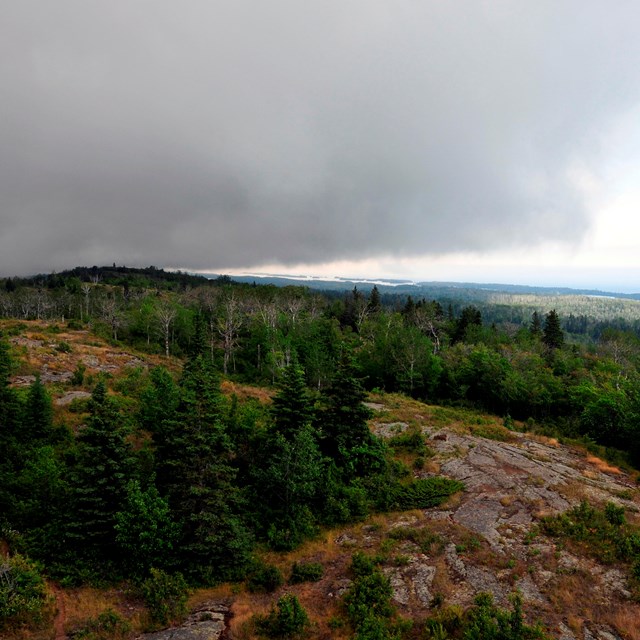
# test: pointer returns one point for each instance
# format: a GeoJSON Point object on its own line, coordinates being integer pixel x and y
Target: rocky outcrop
{"type": "Point", "coordinates": [208, 622]}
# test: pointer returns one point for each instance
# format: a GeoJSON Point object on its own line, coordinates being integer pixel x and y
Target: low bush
{"type": "Point", "coordinates": [422, 537]}
{"type": "Point", "coordinates": [23, 593]}
{"type": "Point", "coordinates": [165, 596]}
{"type": "Point", "coordinates": [287, 619]}
{"type": "Point", "coordinates": [305, 572]}
{"type": "Point", "coordinates": [368, 602]}
{"type": "Point", "coordinates": [485, 621]}
{"type": "Point", "coordinates": [109, 625]}
{"type": "Point", "coordinates": [264, 578]}
{"type": "Point", "coordinates": [601, 533]}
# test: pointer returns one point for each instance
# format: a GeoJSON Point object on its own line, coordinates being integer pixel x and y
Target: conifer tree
{"type": "Point", "coordinates": [346, 437]}
{"type": "Point", "coordinates": [292, 406]}
{"type": "Point", "coordinates": [375, 304]}
{"type": "Point", "coordinates": [288, 479]}
{"type": "Point", "coordinates": [10, 409]}
{"type": "Point", "coordinates": [99, 479]}
{"type": "Point", "coordinates": [553, 336]}
{"type": "Point", "coordinates": [10, 428]}
{"type": "Point", "coordinates": [38, 418]}
{"type": "Point", "coordinates": [197, 478]}
{"type": "Point", "coordinates": [536, 324]}
{"type": "Point", "coordinates": [158, 402]}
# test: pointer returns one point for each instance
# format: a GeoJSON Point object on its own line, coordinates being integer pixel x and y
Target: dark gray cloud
{"type": "Point", "coordinates": [210, 134]}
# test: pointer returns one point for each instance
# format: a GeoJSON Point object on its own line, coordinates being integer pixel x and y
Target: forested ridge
{"type": "Point", "coordinates": [583, 379]}
{"type": "Point", "coordinates": [163, 478]}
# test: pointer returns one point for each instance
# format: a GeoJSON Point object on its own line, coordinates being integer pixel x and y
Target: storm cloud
{"type": "Point", "coordinates": [213, 135]}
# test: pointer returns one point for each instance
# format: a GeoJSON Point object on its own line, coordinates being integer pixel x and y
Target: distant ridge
{"type": "Point", "coordinates": [420, 289]}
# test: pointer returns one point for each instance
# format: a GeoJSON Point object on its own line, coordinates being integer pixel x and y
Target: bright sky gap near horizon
{"type": "Point", "coordinates": [469, 141]}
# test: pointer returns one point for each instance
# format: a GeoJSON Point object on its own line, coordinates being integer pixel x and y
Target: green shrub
{"type": "Point", "coordinates": [422, 537]}
{"type": "Point", "coordinates": [492, 432]}
{"type": "Point", "coordinates": [109, 625]}
{"type": "Point", "coordinates": [287, 620]}
{"type": "Point", "coordinates": [64, 347]}
{"type": "Point", "coordinates": [614, 514]}
{"type": "Point", "coordinates": [485, 621]}
{"type": "Point", "coordinates": [23, 593]}
{"type": "Point", "coordinates": [165, 596]}
{"type": "Point", "coordinates": [604, 534]}
{"type": "Point", "coordinates": [78, 375]}
{"type": "Point", "coordinates": [392, 492]}
{"type": "Point", "coordinates": [369, 597]}
{"type": "Point", "coordinates": [264, 578]}
{"type": "Point", "coordinates": [345, 503]}
{"type": "Point", "coordinates": [410, 440]}
{"type": "Point", "coordinates": [305, 572]}
{"type": "Point", "coordinates": [425, 492]}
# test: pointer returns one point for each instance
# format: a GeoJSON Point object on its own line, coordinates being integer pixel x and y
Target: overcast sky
{"type": "Point", "coordinates": [465, 140]}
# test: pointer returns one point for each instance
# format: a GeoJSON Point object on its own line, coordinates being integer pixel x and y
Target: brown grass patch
{"type": "Point", "coordinates": [602, 466]}
{"type": "Point", "coordinates": [85, 603]}
{"type": "Point", "coordinates": [573, 491]}
{"type": "Point", "coordinates": [551, 442]}
{"type": "Point", "coordinates": [507, 501]}
{"type": "Point", "coordinates": [442, 582]}
{"type": "Point", "coordinates": [574, 593]}
{"type": "Point", "coordinates": [625, 620]}
{"type": "Point", "coordinates": [244, 391]}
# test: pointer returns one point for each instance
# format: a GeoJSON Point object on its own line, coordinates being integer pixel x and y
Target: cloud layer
{"type": "Point", "coordinates": [215, 134]}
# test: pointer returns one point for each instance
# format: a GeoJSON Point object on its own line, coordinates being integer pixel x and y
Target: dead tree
{"type": "Point", "coordinates": [229, 324]}
{"type": "Point", "coordinates": [166, 314]}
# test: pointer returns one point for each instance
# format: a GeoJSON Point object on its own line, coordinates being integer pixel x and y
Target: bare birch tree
{"type": "Point", "coordinates": [230, 322]}
{"type": "Point", "coordinates": [166, 314]}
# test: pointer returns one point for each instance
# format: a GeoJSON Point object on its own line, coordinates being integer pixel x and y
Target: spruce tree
{"type": "Point", "coordinates": [553, 336]}
{"type": "Point", "coordinates": [10, 433]}
{"type": "Point", "coordinates": [99, 479]}
{"type": "Point", "coordinates": [292, 406]}
{"type": "Point", "coordinates": [38, 425]}
{"type": "Point", "coordinates": [346, 437]}
{"type": "Point", "coordinates": [287, 480]}
{"type": "Point", "coordinates": [536, 325]}
{"type": "Point", "coordinates": [375, 304]}
{"type": "Point", "coordinates": [197, 477]}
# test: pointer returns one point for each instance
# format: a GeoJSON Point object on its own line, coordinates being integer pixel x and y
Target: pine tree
{"type": "Point", "coordinates": [375, 304]}
{"type": "Point", "coordinates": [287, 483]}
{"type": "Point", "coordinates": [158, 401]}
{"type": "Point", "coordinates": [346, 437]}
{"type": "Point", "coordinates": [199, 344]}
{"type": "Point", "coordinates": [38, 425]}
{"type": "Point", "coordinates": [10, 409]}
{"type": "Point", "coordinates": [144, 530]}
{"type": "Point", "coordinates": [553, 336]}
{"type": "Point", "coordinates": [288, 478]}
{"type": "Point", "coordinates": [10, 428]}
{"type": "Point", "coordinates": [536, 325]}
{"type": "Point", "coordinates": [99, 479]}
{"type": "Point", "coordinates": [197, 477]}
{"type": "Point", "coordinates": [292, 406]}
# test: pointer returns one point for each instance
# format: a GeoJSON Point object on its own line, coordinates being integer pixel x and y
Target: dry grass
{"type": "Point", "coordinates": [625, 620]}
{"type": "Point", "coordinates": [573, 491]}
{"type": "Point", "coordinates": [602, 466]}
{"type": "Point", "coordinates": [573, 593]}
{"type": "Point", "coordinates": [541, 439]}
{"type": "Point", "coordinates": [573, 598]}
{"type": "Point", "coordinates": [245, 391]}
{"type": "Point", "coordinates": [87, 603]}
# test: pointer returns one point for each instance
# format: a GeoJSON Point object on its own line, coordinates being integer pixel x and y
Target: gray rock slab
{"type": "Point", "coordinates": [422, 582]}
